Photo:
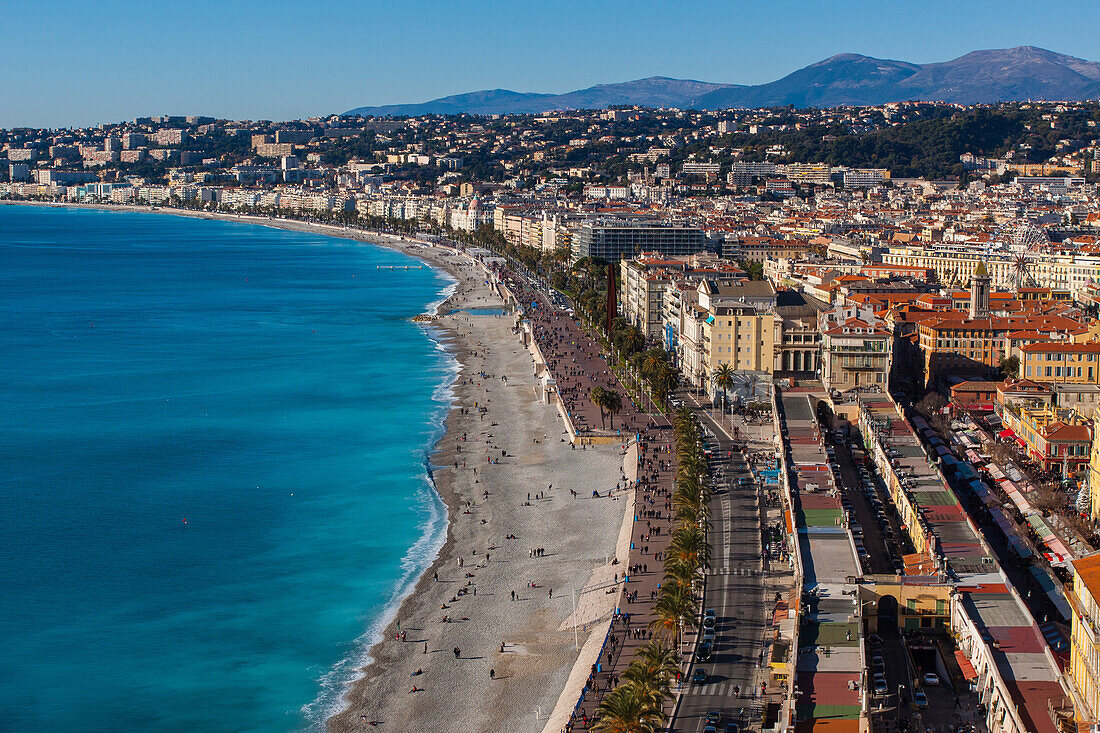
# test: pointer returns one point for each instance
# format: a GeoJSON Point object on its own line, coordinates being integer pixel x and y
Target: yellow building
{"type": "Point", "coordinates": [741, 336]}
{"type": "Point", "coordinates": [740, 326]}
{"type": "Point", "coordinates": [1085, 635]}
{"type": "Point", "coordinates": [1059, 362]}
{"type": "Point", "coordinates": [1093, 478]}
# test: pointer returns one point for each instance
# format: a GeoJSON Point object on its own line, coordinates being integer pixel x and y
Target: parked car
{"type": "Point", "coordinates": [920, 699]}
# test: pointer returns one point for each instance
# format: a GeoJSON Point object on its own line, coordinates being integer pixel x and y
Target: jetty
{"type": "Point", "coordinates": [400, 267]}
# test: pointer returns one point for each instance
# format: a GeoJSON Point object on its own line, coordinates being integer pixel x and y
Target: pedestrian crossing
{"type": "Point", "coordinates": [720, 689]}
{"type": "Point", "coordinates": [727, 570]}
{"type": "Point", "coordinates": [723, 696]}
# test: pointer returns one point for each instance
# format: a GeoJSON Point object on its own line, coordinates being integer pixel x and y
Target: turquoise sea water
{"type": "Point", "coordinates": [213, 440]}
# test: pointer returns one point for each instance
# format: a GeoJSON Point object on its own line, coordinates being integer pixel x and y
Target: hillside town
{"type": "Point", "coordinates": [921, 334]}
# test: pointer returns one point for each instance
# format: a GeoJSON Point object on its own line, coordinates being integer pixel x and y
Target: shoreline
{"type": "Point", "coordinates": [538, 655]}
{"type": "Point", "coordinates": [375, 661]}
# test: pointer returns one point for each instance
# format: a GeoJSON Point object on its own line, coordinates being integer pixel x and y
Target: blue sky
{"type": "Point", "coordinates": [80, 63]}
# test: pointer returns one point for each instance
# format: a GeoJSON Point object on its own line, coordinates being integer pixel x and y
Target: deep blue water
{"type": "Point", "coordinates": [212, 449]}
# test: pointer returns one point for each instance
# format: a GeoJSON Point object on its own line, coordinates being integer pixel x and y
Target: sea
{"type": "Point", "coordinates": [214, 477]}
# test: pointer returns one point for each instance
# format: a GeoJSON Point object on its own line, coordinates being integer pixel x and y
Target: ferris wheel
{"type": "Point", "coordinates": [1022, 241]}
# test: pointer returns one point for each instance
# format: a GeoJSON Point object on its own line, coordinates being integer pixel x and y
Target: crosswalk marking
{"type": "Point", "coordinates": [727, 570]}
{"type": "Point", "coordinates": [725, 689]}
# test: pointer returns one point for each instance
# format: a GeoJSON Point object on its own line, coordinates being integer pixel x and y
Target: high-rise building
{"type": "Point", "coordinates": [613, 240]}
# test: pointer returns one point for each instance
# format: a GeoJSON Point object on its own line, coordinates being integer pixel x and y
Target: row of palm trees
{"type": "Point", "coordinates": [636, 705]}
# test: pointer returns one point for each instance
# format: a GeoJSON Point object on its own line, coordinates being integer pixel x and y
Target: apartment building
{"type": "Point", "coordinates": [645, 280]}
{"type": "Point", "coordinates": [1075, 273]}
{"type": "Point", "coordinates": [696, 168]}
{"type": "Point", "coordinates": [762, 249]}
{"type": "Point", "coordinates": [1085, 635]}
{"type": "Point", "coordinates": [1059, 363]}
{"type": "Point", "coordinates": [169, 137]}
{"type": "Point", "coordinates": [738, 335]}
{"type": "Point", "coordinates": [799, 346]}
{"type": "Point", "coordinates": [856, 349]}
{"type": "Point", "coordinates": [865, 177]}
{"type": "Point", "coordinates": [741, 327]}
{"type": "Point", "coordinates": [613, 240]}
{"type": "Point", "coordinates": [953, 342]}
{"type": "Point", "coordinates": [743, 172]}
{"type": "Point", "coordinates": [1056, 438]}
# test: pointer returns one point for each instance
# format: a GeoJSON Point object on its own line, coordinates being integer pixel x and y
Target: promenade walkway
{"type": "Point", "coordinates": [574, 360]}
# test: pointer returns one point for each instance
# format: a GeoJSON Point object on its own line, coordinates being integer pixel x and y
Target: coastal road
{"type": "Point", "coordinates": [735, 590]}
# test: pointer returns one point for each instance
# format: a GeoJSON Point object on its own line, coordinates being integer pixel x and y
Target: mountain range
{"type": "Point", "coordinates": [995, 75]}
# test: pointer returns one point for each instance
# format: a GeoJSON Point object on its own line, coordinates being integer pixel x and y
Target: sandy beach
{"type": "Point", "coordinates": [519, 539]}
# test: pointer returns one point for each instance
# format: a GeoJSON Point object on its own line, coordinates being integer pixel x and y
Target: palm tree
{"type": "Point", "coordinates": [613, 401]}
{"type": "Point", "coordinates": [651, 363]}
{"type": "Point", "coordinates": [668, 616]}
{"type": "Point", "coordinates": [723, 380]}
{"type": "Point", "coordinates": [654, 667]}
{"type": "Point", "coordinates": [599, 399]}
{"type": "Point", "coordinates": [628, 709]}
{"type": "Point", "coordinates": [663, 381]}
{"type": "Point", "coordinates": [678, 571]}
{"type": "Point", "coordinates": [676, 607]}
{"type": "Point", "coordinates": [689, 543]}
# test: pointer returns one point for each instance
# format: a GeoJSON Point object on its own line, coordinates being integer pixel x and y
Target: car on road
{"type": "Point", "coordinates": [931, 678]}
{"type": "Point", "coordinates": [710, 729]}
{"type": "Point", "coordinates": [704, 651]}
{"type": "Point", "coordinates": [699, 677]}
{"type": "Point", "coordinates": [708, 635]}
{"type": "Point", "coordinates": [920, 699]}
{"type": "Point", "coordinates": [881, 688]}
{"type": "Point", "coordinates": [713, 717]}
{"type": "Point", "coordinates": [708, 622]}
{"type": "Point", "coordinates": [733, 728]}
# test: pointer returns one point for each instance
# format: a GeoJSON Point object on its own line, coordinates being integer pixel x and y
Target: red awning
{"type": "Point", "coordinates": [1020, 442]}
{"type": "Point", "coordinates": [1006, 433]}
{"type": "Point", "coordinates": [964, 664]}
